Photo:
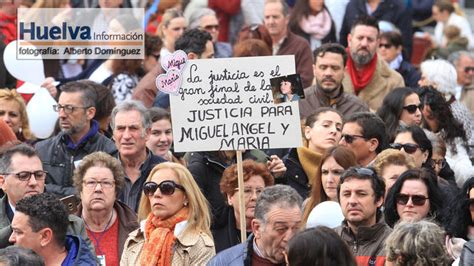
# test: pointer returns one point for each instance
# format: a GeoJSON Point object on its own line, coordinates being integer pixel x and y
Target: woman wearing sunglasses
{"type": "Point", "coordinates": [226, 232]}
{"type": "Point", "coordinates": [323, 129]}
{"type": "Point", "coordinates": [334, 162]}
{"type": "Point", "coordinates": [99, 178]}
{"type": "Point", "coordinates": [413, 141]}
{"type": "Point", "coordinates": [438, 117]}
{"type": "Point", "coordinates": [414, 196]}
{"type": "Point", "coordinates": [177, 220]}
{"type": "Point", "coordinates": [401, 108]}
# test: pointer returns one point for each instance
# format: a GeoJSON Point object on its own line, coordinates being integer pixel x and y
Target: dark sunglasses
{"type": "Point", "coordinates": [385, 45]}
{"type": "Point", "coordinates": [166, 187]}
{"type": "Point", "coordinates": [412, 108]}
{"type": "Point", "coordinates": [358, 171]}
{"type": "Point", "coordinates": [467, 69]}
{"type": "Point", "coordinates": [417, 200]}
{"type": "Point", "coordinates": [350, 138]}
{"type": "Point", "coordinates": [408, 147]}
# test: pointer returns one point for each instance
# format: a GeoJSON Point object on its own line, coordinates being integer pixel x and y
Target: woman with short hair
{"type": "Point", "coordinates": [99, 179]}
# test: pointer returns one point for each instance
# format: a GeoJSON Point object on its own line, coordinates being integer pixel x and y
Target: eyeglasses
{"type": "Point", "coordinates": [350, 138]}
{"type": "Point", "coordinates": [67, 108]}
{"type": "Point", "coordinates": [249, 191]}
{"type": "Point", "coordinates": [468, 69]}
{"type": "Point", "coordinates": [26, 175]}
{"type": "Point", "coordinates": [103, 184]}
{"type": "Point", "coordinates": [211, 27]}
{"type": "Point", "coordinates": [417, 200]}
{"type": "Point", "coordinates": [441, 163]}
{"type": "Point", "coordinates": [385, 45]}
{"type": "Point", "coordinates": [412, 108]}
{"type": "Point", "coordinates": [166, 187]}
{"type": "Point", "coordinates": [408, 147]}
{"type": "Point", "coordinates": [358, 171]}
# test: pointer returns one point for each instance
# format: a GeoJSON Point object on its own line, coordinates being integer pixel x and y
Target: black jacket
{"type": "Point", "coordinates": [59, 160]}
{"type": "Point", "coordinates": [295, 175]}
{"type": "Point", "coordinates": [207, 169]}
{"type": "Point", "coordinates": [410, 74]}
{"type": "Point", "coordinates": [226, 235]}
{"type": "Point", "coordinates": [393, 11]}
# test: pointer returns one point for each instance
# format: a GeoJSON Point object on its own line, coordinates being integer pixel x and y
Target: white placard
{"type": "Point", "coordinates": [226, 104]}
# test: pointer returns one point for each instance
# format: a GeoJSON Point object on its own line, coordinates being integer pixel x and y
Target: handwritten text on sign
{"type": "Point", "coordinates": [226, 104]}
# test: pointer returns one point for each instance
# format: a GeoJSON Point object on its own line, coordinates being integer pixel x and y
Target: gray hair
{"type": "Point", "coordinates": [132, 105]}
{"type": "Point", "coordinates": [442, 74]}
{"type": "Point", "coordinates": [195, 18]}
{"type": "Point", "coordinates": [19, 256]}
{"type": "Point", "coordinates": [7, 154]}
{"type": "Point", "coordinates": [419, 243]}
{"type": "Point", "coordinates": [284, 6]}
{"type": "Point", "coordinates": [454, 57]}
{"type": "Point", "coordinates": [282, 196]}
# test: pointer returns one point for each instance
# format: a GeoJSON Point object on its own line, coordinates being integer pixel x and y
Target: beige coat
{"type": "Point", "coordinates": [383, 81]}
{"type": "Point", "coordinates": [190, 249]}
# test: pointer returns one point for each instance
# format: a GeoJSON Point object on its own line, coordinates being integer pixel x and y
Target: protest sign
{"type": "Point", "coordinates": [227, 104]}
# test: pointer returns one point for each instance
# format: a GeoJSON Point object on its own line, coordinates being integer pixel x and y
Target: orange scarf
{"type": "Point", "coordinates": [160, 238]}
{"type": "Point", "coordinates": [361, 78]}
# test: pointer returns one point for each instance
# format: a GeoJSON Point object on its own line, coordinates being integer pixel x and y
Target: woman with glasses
{"type": "Point", "coordinates": [391, 51]}
{"type": "Point", "coordinates": [334, 162]}
{"type": "Point", "coordinates": [256, 177]}
{"type": "Point", "coordinates": [413, 197]}
{"type": "Point", "coordinates": [322, 130]}
{"type": "Point", "coordinates": [413, 141]}
{"type": "Point", "coordinates": [400, 108]}
{"type": "Point", "coordinates": [438, 117]}
{"type": "Point", "coordinates": [177, 220]}
{"type": "Point", "coordinates": [99, 178]}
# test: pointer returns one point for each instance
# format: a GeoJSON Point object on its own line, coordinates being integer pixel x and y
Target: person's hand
{"type": "Point", "coordinates": [49, 84]}
{"type": "Point", "coordinates": [276, 166]}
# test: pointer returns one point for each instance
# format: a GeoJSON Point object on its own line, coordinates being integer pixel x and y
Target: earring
{"type": "Point", "coordinates": [185, 204]}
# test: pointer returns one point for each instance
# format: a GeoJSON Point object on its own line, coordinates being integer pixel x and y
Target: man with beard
{"type": "Point", "coordinates": [79, 136]}
{"type": "Point", "coordinates": [368, 76]}
{"type": "Point", "coordinates": [329, 63]}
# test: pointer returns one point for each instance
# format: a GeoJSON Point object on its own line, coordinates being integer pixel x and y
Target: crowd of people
{"type": "Point", "coordinates": [388, 141]}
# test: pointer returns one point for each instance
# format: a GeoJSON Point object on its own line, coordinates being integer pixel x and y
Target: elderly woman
{"type": "Point", "coordinates": [176, 229]}
{"type": "Point", "coordinates": [390, 164]}
{"type": "Point", "coordinates": [98, 179]}
{"type": "Point", "coordinates": [256, 178]}
{"type": "Point", "coordinates": [13, 112]}
{"type": "Point", "coordinates": [414, 196]}
{"type": "Point", "coordinates": [420, 243]}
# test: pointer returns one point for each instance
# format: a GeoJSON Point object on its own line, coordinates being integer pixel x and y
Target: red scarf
{"type": "Point", "coordinates": [160, 239]}
{"type": "Point", "coordinates": [360, 78]}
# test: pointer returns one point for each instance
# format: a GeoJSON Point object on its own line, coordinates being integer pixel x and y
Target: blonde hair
{"type": "Point", "coordinates": [392, 157]}
{"type": "Point", "coordinates": [199, 219]}
{"type": "Point", "coordinates": [12, 95]}
{"type": "Point", "coordinates": [169, 15]}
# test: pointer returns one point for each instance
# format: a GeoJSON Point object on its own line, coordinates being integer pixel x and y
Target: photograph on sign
{"type": "Point", "coordinates": [227, 104]}
{"type": "Point", "coordinates": [287, 89]}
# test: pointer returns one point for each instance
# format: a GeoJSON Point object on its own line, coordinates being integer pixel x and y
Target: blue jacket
{"type": "Point", "coordinates": [238, 255]}
{"type": "Point", "coordinates": [78, 252]}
